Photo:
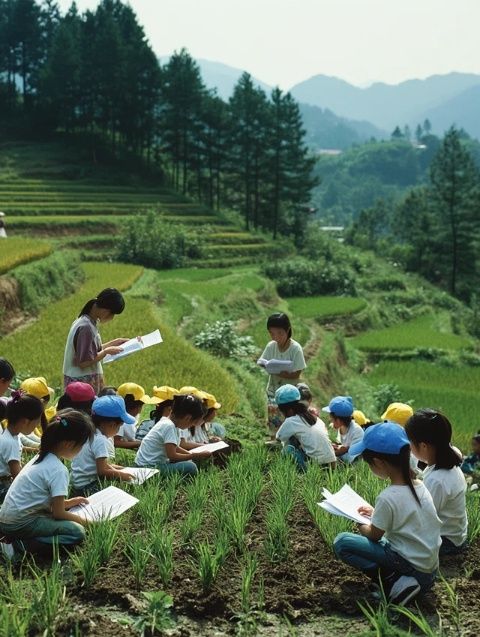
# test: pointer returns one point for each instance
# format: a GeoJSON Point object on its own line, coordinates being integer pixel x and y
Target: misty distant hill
{"type": "Point", "coordinates": [387, 105]}
{"type": "Point", "coordinates": [462, 110]}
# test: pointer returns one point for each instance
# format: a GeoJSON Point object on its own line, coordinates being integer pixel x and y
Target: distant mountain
{"type": "Point", "coordinates": [462, 110]}
{"type": "Point", "coordinates": [383, 104]}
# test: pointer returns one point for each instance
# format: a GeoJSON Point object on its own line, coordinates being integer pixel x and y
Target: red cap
{"type": "Point", "coordinates": [80, 392]}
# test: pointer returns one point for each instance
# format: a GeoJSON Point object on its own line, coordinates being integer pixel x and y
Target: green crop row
{"type": "Point", "coordinates": [235, 238]}
{"type": "Point", "coordinates": [16, 251]}
{"type": "Point", "coordinates": [323, 307]}
{"type": "Point", "coordinates": [237, 250]}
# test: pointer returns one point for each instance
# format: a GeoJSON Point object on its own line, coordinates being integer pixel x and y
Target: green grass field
{"type": "Point", "coordinates": [325, 307]}
{"type": "Point", "coordinates": [16, 251]}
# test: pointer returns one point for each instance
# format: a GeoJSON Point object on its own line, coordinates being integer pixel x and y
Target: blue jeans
{"type": "Point", "coordinates": [449, 548]}
{"type": "Point", "coordinates": [185, 467]}
{"type": "Point", "coordinates": [298, 455]}
{"type": "Point", "coordinates": [88, 489]}
{"type": "Point", "coordinates": [366, 555]}
{"type": "Point", "coordinates": [46, 530]}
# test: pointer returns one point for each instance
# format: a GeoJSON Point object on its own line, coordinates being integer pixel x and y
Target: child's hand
{"type": "Point", "coordinates": [366, 510]}
{"type": "Point", "coordinates": [79, 500]}
{"type": "Point", "coordinates": [215, 439]}
{"type": "Point", "coordinates": [202, 454]}
{"type": "Point", "coordinates": [127, 477]}
{"type": "Point", "coordinates": [112, 350]}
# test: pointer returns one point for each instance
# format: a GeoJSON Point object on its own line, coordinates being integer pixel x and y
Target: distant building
{"type": "Point", "coordinates": [329, 151]}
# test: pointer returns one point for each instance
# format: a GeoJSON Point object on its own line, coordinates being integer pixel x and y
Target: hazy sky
{"type": "Point", "coordinates": [283, 42]}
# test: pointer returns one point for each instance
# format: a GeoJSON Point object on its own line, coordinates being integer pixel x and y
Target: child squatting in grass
{"type": "Point", "coordinates": [349, 433]}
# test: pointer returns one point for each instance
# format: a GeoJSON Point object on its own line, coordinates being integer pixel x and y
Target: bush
{"type": "Point", "coordinates": [301, 277]}
{"type": "Point", "coordinates": [147, 240]}
{"type": "Point", "coordinates": [221, 339]}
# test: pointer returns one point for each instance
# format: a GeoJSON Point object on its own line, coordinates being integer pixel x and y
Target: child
{"type": "Point", "coordinates": [161, 446]}
{"type": "Point", "coordinates": [23, 415]}
{"type": "Point", "coordinates": [36, 508]}
{"type": "Point", "coordinates": [108, 414]}
{"type": "Point", "coordinates": [281, 347]}
{"type": "Point", "coordinates": [349, 433]}
{"type": "Point", "coordinates": [163, 409]}
{"type": "Point", "coordinates": [38, 387]}
{"type": "Point", "coordinates": [400, 545]}
{"type": "Point", "coordinates": [398, 412]}
{"type": "Point", "coordinates": [307, 398]}
{"type": "Point", "coordinates": [135, 398]}
{"type": "Point", "coordinates": [471, 464]}
{"type": "Point", "coordinates": [301, 434]}
{"type": "Point", "coordinates": [78, 396]}
{"type": "Point", "coordinates": [84, 350]}
{"type": "Point", "coordinates": [7, 374]}
{"type": "Point", "coordinates": [430, 435]}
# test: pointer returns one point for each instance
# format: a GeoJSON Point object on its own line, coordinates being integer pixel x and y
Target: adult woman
{"type": "Point", "coordinates": [84, 350]}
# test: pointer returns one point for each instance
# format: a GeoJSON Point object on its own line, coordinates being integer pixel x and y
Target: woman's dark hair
{"type": "Point", "coordinates": [68, 425]}
{"type": "Point", "coordinates": [23, 406]}
{"type": "Point", "coordinates": [281, 321]}
{"type": "Point", "coordinates": [188, 406]}
{"type": "Point", "coordinates": [131, 403]}
{"type": "Point", "coordinates": [6, 370]}
{"type": "Point", "coordinates": [433, 428]}
{"type": "Point", "coordinates": [108, 299]}
{"type": "Point", "coordinates": [299, 409]}
{"type": "Point", "coordinates": [399, 460]}
{"type": "Point", "coordinates": [65, 402]}
{"type": "Point", "coordinates": [160, 409]}
{"type": "Point", "coordinates": [108, 390]}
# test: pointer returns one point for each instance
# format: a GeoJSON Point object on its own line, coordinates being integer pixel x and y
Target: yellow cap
{"type": "Point", "coordinates": [37, 387]}
{"type": "Point", "coordinates": [137, 392]}
{"type": "Point", "coordinates": [398, 412]}
{"type": "Point", "coordinates": [193, 391]}
{"type": "Point", "coordinates": [211, 401]}
{"type": "Point", "coordinates": [359, 417]}
{"type": "Point", "coordinates": [165, 393]}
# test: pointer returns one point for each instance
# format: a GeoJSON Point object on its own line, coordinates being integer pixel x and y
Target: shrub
{"type": "Point", "coordinates": [301, 277]}
{"type": "Point", "coordinates": [221, 339]}
{"type": "Point", "coordinates": [150, 241]}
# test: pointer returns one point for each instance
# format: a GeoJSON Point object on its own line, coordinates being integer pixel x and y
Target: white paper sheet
{"type": "Point", "coordinates": [106, 504]}
{"type": "Point", "coordinates": [346, 503]}
{"type": "Point", "coordinates": [134, 345]}
{"type": "Point", "coordinates": [275, 365]}
{"type": "Point", "coordinates": [141, 473]}
{"type": "Point", "coordinates": [213, 446]}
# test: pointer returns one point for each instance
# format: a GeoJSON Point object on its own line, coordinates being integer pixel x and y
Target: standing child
{"type": "Point", "coordinates": [23, 415]}
{"type": "Point", "coordinates": [349, 433]}
{"type": "Point", "coordinates": [430, 435]}
{"type": "Point", "coordinates": [303, 437]}
{"type": "Point", "coordinates": [36, 508]}
{"type": "Point", "coordinates": [281, 347]}
{"type": "Point", "coordinates": [91, 464]}
{"type": "Point", "coordinates": [400, 545]}
{"type": "Point", "coordinates": [161, 446]}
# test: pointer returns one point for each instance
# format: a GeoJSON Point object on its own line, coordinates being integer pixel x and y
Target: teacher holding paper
{"type": "Point", "coordinates": [84, 350]}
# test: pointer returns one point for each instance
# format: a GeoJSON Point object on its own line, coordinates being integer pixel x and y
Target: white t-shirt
{"type": "Point", "coordinates": [313, 441]}
{"type": "Point", "coordinates": [293, 353]}
{"type": "Point", "coordinates": [447, 488]}
{"type": "Point", "coordinates": [152, 448]}
{"type": "Point", "coordinates": [127, 432]}
{"type": "Point", "coordinates": [32, 490]}
{"type": "Point", "coordinates": [412, 529]}
{"type": "Point", "coordinates": [84, 465]}
{"type": "Point", "coordinates": [199, 436]}
{"type": "Point", "coordinates": [10, 449]}
{"type": "Point", "coordinates": [353, 435]}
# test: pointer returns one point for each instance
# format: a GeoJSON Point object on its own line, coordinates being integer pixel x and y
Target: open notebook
{"type": "Point", "coordinates": [106, 504]}
{"type": "Point", "coordinates": [135, 345]}
{"type": "Point", "coordinates": [275, 365]}
{"type": "Point", "coordinates": [345, 503]}
{"type": "Point", "coordinates": [212, 446]}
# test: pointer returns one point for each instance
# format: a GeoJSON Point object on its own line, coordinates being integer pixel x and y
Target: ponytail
{"type": "Point", "coordinates": [188, 405]}
{"type": "Point", "coordinates": [399, 460]}
{"type": "Point", "coordinates": [23, 405]}
{"type": "Point", "coordinates": [433, 428]}
{"type": "Point", "coordinates": [299, 409]}
{"type": "Point", "coordinates": [160, 409]}
{"type": "Point", "coordinates": [68, 425]}
{"type": "Point", "coordinates": [87, 308]}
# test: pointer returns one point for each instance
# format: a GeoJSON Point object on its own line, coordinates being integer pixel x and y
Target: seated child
{"type": "Point", "coordinates": [163, 408]}
{"type": "Point", "coordinates": [35, 513]}
{"type": "Point", "coordinates": [7, 374]}
{"type": "Point", "coordinates": [91, 464]}
{"type": "Point", "coordinates": [360, 418]}
{"type": "Point", "coordinates": [23, 415]}
{"type": "Point", "coordinates": [349, 433]}
{"type": "Point", "coordinates": [307, 398]}
{"type": "Point", "coordinates": [135, 399]}
{"type": "Point", "coordinates": [77, 395]}
{"type": "Point", "coordinates": [471, 463]}
{"type": "Point", "coordinates": [38, 387]}
{"type": "Point", "coordinates": [400, 413]}
{"type": "Point", "coordinates": [430, 435]}
{"type": "Point", "coordinates": [161, 446]}
{"type": "Point", "coordinates": [400, 545]}
{"type": "Point", "coordinates": [196, 435]}
{"type": "Point", "coordinates": [301, 433]}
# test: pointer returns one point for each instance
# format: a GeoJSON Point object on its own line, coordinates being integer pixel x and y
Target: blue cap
{"type": "Point", "coordinates": [340, 406]}
{"type": "Point", "coordinates": [287, 394]}
{"type": "Point", "coordinates": [112, 407]}
{"type": "Point", "coordinates": [386, 437]}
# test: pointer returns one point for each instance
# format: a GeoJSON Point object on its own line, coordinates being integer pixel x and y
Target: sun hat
{"type": "Point", "coordinates": [36, 387]}
{"type": "Point", "coordinates": [193, 391]}
{"type": "Point", "coordinates": [137, 392]}
{"type": "Point", "coordinates": [287, 394]}
{"type": "Point", "coordinates": [398, 412]}
{"type": "Point", "coordinates": [112, 407]}
{"type": "Point", "coordinates": [80, 392]}
{"type": "Point", "coordinates": [385, 437]}
{"type": "Point", "coordinates": [164, 393]}
{"type": "Point", "coordinates": [359, 417]}
{"type": "Point", "coordinates": [211, 401]}
{"type": "Point", "coordinates": [341, 406]}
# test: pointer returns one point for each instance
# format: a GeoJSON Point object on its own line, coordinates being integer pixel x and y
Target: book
{"type": "Point", "coordinates": [212, 447]}
{"type": "Point", "coordinates": [275, 366]}
{"type": "Point", "coordinates": [345, 503]}
{"type": "Point", "coordinates": [141, 473]}
{"type": "Point", "coordinates": [135, 345]}
{"type": "Point", "coordinates": [106, 504]}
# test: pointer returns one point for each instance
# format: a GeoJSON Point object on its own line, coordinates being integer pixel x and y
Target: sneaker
{"type": "Point", "coordinates": [403, 590]}
{"type": "Point", "coordinates": [7, 551]}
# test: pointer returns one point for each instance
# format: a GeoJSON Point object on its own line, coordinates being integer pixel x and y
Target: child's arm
{"type": "Point", "coordinates": [106, 470]}
{"type": "Point", "coordinates": [15, 468]}
{"type": "Point", "coordinates": [59, 511]}
{"type": "Point", "coordinates": [120, 442]}
{"type": "Point", "coordinates": [73, 502]}
{"type": "Point", "coordinates": [176, 453]}
{"type": "Point", "coordinates": [371, 531]}
{"type": "Point", "coordinates": [184, 444]}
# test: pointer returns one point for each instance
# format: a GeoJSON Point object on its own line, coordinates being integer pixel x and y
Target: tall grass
{"type": "Point", "coordinates": [324, 307]}
{"type": "Point", "coordinates": [284, 479]}
{"type": "Point", "coordinates": [18, 250]}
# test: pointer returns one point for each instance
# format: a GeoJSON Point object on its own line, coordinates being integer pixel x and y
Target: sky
{"type": "Point", "coordinates": [283, 42]}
